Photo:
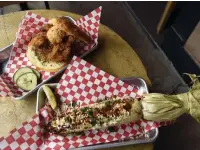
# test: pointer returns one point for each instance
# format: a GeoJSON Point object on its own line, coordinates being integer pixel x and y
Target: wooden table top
{"type": "Point", "coordinates": [113, 55]}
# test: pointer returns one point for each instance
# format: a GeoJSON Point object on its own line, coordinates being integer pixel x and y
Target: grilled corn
{"type": "Point", "coordinates": [109, 112]}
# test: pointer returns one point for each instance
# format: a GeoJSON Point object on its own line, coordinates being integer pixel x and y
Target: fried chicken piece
{"type": "Point", "coordinates": [41, 45]}
{"type": "Point", "coordinates": [67, 49]}
{"type": "Point", "coordinates": [53, 21]}
{"type": "Point", "coordinates": [51, 52]}
{"type": "Point", "coordinates": [69, 41]}
{"type": "Point", "coordinates": [40, 40]}
{"type": "Point", "coordinates": [70, 28]}
{"type": "Point", "coordinates": [55, 35]}
{"type": "Point", "coordinates": [46, 27]}
{"type": "Point", "coordinates": [60, 52]}
{"type": "Point", "coordinates": [62, 56]}
{"type": "Point", "coordinates": [54, 41]}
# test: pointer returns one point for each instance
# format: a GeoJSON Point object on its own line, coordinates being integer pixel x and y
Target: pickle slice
{"type": "Point", "coordinates": [50, 96]}
{"type": "Point", "coordinates": [20, 72]}
{"type": "Point", "coordinates": [27, 81]}
{"type": "Point", "coordinates": [37, 73]}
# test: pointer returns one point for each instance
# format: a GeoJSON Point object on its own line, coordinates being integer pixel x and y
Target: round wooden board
{"type": "Point", "coordinates": [113, 55]}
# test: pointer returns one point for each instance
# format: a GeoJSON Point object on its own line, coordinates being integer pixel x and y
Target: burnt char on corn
{"type": "Point", "coordinates": [103, 114]}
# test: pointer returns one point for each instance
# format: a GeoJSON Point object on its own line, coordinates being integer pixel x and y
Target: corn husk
{"type": "Point", "coordinates": [161, 107]}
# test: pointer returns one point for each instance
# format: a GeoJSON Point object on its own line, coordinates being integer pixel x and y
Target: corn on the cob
{"type": "Point", "coordinates": [109, 112]}
{"type": "Point", "coordinates": [114, 111]}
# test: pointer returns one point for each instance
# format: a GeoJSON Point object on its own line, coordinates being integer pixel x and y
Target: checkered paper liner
{"type": "Point", "coordinates": [30, 25]}
{"type": "Point", "coordinates": [85, 83]}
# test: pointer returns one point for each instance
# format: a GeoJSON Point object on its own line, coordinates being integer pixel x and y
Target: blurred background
{"type": "Point", "coordinates": [165, 35]}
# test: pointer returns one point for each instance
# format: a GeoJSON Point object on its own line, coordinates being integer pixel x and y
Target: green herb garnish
{"type": "Point", "coordinates": [68, 119]}
{"type": "Point", "coordinates": [74, 110]}
{"type": "Point", "coordinates": [38, 56]}
{"type": "Point", "coordinates": [93, 122]}
{"type": "Point", "coordinates": [74, 103]}
{"type": "Point", "coordinates": [112, 129]}
{"type": "Point", "coordinates": [78, 133]}
{"type": "Point", "coordinates": [90, 113]}
{"type": "Point", "coordinates": [83, 110]}
{"type": "Point", "coordinates": [99, 100]}
{"type": "Point", "coordinates": [108, 104]}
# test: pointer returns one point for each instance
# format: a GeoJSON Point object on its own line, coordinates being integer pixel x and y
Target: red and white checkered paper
{"type": "Point", "coordinates": [30, 25]}
{"type": "Point", "coordinates": [84, 83]}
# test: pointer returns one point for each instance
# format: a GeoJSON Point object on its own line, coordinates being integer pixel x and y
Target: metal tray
{"type": "Point", "coordinates": [5, 53]}
{"type": "Point", "coordinates": [146, 138]}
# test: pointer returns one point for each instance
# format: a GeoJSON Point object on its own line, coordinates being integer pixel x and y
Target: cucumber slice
{"type": "Point", "coordinates": [27, 81]}
{"type": "Point", "coordinates": [50, 96]}
{"type": "Point", "coordinates": [37, 73]}
{"type": "Point", "coordinates": [20, 72]}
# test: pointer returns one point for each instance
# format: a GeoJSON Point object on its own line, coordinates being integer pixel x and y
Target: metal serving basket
{"type": "Point", "coordinates": [145, 138]}
{"type": "Point", "coordinates": [5, 53]}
